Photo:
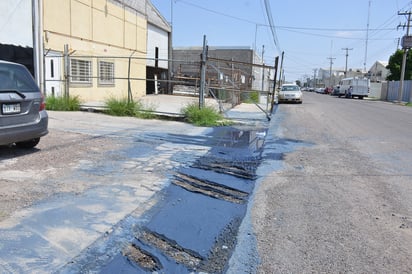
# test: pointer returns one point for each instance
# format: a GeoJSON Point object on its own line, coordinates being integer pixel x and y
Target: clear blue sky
{"type": "Point", "coordinates": [308, 32]}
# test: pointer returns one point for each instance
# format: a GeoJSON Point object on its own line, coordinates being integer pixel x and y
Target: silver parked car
{"type": "Point", "coordinates": [290, 93]}
{"type": "Point", "coordinates": [23, 116]}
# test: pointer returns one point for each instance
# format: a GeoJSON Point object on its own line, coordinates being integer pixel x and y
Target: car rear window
{"type": "Point", "coordinates": [290, 88]}
{"type": "Point", "coordinates": [15, 77]}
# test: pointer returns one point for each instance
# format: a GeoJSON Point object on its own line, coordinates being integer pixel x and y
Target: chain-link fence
{"type": "Point", "coordinates": [96, 78]}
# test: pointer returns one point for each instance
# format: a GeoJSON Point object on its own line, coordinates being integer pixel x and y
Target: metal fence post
{"type": "Point", "coordinates": [129, 86]}
{"type": "Point", "coordinates": [203, 57]}
{"type": "Point", "coordinates": [66, 68]}
{"type": "Point", "coordinates": [274, 85]}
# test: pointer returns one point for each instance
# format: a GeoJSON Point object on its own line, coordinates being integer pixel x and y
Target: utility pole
{"type": "Point", "coordinates": [38, 58]}
{"type": "Point", "coordinates": [330, 70]}
{"type": "Point", "coordinates": [281, 73]}
{"type": "Point", "coordinates": [347, 54]}
{"type": "Point", "coordinates": [263, 69]}
{"type": "Point", "coordinates": [405, 46]}
{"type": "Point", "coordinates": [367, 38]}
{"type": "Point", "coordinates": [272, 102]}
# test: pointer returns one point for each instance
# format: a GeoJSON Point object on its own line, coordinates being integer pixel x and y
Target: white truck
{"type": "Point", "coordinates": [354, 87]}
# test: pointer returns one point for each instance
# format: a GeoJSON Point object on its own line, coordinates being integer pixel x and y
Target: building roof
{"type": "Point", "coordinates": [383, 63]}
{"type": "Point", "coordinates": [146, 8]}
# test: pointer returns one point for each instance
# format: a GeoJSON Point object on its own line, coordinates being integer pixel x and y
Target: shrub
{"type": "Point", "coordinates": [206, 116]}
{"type": "Point", "coordinates": [62, 103]}
{"type": "Point", "coordinates": [121, 107]}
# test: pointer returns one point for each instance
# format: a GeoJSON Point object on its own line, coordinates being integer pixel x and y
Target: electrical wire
{"type": "Point", "coordinates": [272, 26]}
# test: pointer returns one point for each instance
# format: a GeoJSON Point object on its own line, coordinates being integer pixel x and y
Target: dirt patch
{"type": "Point", "coordinates": [28, 176]}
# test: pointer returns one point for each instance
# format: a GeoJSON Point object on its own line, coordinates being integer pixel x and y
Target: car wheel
{"type": "Point", "coordinates": [29, 143]}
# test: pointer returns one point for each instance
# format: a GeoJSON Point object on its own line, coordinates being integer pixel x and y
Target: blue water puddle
{"type": "Point", "coordinates": [194, 225]}
{"type": "Point", "coordinates": [193, 220]}
{"type": "Point", "coordinates": [241, 184]}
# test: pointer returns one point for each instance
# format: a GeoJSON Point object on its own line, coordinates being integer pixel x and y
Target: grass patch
{"type": "Point", "coordinates": [62, 103]}
{"type": "Point", "coordinates": [206, 116]}
{"type": "Point", "coordinates": [409, 104]}
{"type": "Point", "coordinates": [123, 107]}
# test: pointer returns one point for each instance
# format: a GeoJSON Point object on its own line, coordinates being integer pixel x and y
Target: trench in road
{"type": "Point", "coordinates": [195, 224]}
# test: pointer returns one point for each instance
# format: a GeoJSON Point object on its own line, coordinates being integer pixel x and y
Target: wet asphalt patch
{"type": "Point", "coordinates": [193, 227]}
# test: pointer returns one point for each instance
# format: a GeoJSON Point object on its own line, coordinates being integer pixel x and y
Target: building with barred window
{"type": "Point", "coordinates": [112, 46]}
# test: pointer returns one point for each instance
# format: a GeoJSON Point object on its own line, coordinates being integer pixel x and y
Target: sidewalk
{"type": "Point", "coordinates": [171, 105]}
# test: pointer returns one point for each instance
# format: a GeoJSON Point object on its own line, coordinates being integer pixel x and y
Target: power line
{"type": "Point", "coordinates": [280, 26]}
{"type": "Point", "coordinates": [272, 26]}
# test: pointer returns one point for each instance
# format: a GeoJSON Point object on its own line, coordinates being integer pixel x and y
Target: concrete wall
{"type": "Point", "coordinates": [98, 28]}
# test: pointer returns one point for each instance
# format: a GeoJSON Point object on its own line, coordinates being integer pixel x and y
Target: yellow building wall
{"type": "Point", "coordinates": [98, 29]}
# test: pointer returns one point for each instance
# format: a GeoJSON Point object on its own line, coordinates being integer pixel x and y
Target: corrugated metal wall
{"type": "Point", "coordinates": [393, 91]}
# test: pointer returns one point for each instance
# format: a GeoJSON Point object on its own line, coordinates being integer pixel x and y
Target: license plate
{"type": "Point", "coordinates": [11, 108]}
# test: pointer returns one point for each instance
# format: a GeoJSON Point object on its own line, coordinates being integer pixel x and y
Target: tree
{"type": "Point", "coordinates": [395, 66]}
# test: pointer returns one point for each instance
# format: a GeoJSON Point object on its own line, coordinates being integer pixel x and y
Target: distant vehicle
{"type": "Point", "coordinates": [328, 90]}
{"type": "Point", "coordinates": [290, 93]}
{"type": "Point", "coordinates": [320, 90]}
{"type": "Point", "coordinates": [23, 116]}
{"type": "Point", "coordinates": [336, 90]}
{"type": "Point", "coordinates": [354, 87]}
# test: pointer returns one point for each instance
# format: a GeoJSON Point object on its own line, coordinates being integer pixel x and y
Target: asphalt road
{"type": "Point", "coordinates": [337, 192]}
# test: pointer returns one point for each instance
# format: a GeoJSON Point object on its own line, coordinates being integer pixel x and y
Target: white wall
{"type": "Point", "coordinates": [157, 38]}
{"type": "Point", "coordinates": [375, 90]}
{"type": "Point", "coordinates": [16, 23]}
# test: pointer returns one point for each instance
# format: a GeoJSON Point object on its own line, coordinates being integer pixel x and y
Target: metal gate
{"type": "Point", "coordinates": [393, 91]}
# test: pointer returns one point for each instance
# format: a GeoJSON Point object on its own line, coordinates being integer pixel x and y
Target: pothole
{"type": "Point", "coordinates": [144, 259]}
{"type": "Point", "coordinates": [211, 189]}
{"type": "Point", "coordinates": [172, 249]}
{"type": "Point", "coordinates": [245, 169]}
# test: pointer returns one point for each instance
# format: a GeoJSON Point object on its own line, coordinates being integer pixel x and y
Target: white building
{"type": "Point", "coordinates": [378, 71]}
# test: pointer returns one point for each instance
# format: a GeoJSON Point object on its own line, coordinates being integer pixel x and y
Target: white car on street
{"type": "Point", "coordinates": [290, 93]}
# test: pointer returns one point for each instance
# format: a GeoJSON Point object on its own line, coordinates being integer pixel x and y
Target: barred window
{"type": "Point", "coordinates": [81, 71]}
{"type": "Point", "coordinates": [106, 73]}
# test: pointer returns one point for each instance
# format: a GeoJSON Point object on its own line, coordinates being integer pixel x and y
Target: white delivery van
{"type": "Point", "coordinates": [354, 87]}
